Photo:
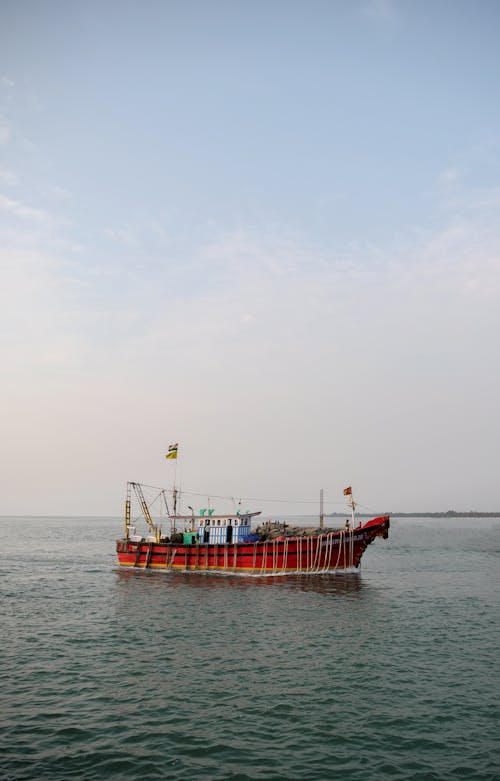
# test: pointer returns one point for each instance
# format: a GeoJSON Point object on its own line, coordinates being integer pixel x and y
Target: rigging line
{"type": "Point", "coordinates": [258, 498]}
{"type": "Point", "coordinates": [243, 498]}
{"type": "Point", "coordinates": [365, 507]}
{"type": "Point", "coordinates": [236, 505]}
{"type": "Point", "coordinates": [158, 496]}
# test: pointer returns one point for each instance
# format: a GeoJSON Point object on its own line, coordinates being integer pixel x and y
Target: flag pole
{"type": "Point", "coordinates": [348, 492]}
{"type": "Point", "coordinates": [172, 454]}
{"type": "Point", "coordinates": [175, 482]}
{"type": "Point", "coordinates": [351, 541]}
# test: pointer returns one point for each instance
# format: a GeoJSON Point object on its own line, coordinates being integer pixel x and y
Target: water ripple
{"type": "Point", "coordinates": [122, 675]}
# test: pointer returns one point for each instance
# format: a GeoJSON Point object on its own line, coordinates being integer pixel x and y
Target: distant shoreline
{"type": "Point", "coordinates": [447, 514]}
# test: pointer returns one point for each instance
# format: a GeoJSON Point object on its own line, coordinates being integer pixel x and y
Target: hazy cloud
{"type": "Point", "coordinates": [309, 253]}
{"type": "Point", "coordinates": [55, 191]}
{"type": "Point", "coordinates": [449, 175]}
{"type": "Point", "coordinates": [8, 177]}
{"type": "Point", "coordinates": [122, 236]}
{"type": "Point", "coordinates": [383, 10]}
{"type": "Point", "coordinates": [24, 212]}
{"type": "Point", "coordinates": [5, 132]}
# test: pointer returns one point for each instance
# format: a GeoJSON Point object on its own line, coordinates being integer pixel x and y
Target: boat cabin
{"type": "Point", "coordinates": [220, 529]}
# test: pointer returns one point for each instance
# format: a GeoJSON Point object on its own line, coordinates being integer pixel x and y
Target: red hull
{"type": "Point", "coordinates": [321, 553]}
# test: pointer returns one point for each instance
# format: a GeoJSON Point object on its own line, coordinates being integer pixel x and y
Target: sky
{"type": "Point", "coordinates": [268, 231]}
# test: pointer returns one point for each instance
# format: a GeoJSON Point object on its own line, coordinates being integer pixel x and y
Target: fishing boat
{"type": "Point", "coordinates": [231, 543]}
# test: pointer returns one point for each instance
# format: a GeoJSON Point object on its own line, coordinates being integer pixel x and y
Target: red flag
{"type": "Point", "coordinates": [348, 491]}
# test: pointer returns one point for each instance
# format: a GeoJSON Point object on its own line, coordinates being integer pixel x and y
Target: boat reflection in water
{"type": "Point", "coordinates": [339, 583]}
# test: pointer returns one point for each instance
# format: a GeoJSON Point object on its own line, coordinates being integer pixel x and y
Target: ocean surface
{"type": "Point", "coordinates": [389, 673]}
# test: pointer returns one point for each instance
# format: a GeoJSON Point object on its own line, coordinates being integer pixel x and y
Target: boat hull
{"type": "Point", "coordinates": [324, 552]}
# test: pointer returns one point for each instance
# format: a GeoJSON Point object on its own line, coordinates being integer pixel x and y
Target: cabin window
{"type": "Point", "coordinates": [235, 522]}
{"type": "Point", "coordinates": [218, 522]}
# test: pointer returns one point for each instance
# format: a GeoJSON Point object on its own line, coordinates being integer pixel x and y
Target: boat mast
{"type": "Point", "coordinates": [351, 541]}
{"type": "Point", "coordinates": [172, 454]}
{"type": "Point", "coordinates": [145, 510]}
{"type": "Point", "coordinates": [168, 511]}
{"type": "Point", "coordinates": [320, 508]}
{"type": "Point", "coordinates": [353, 508]}
{"type": "Point", "coordinates": [127, 511]}
{"type": "Point", "coordinates": [349, 530]}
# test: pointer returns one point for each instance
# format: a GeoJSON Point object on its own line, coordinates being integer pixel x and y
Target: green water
{"type": "Point", "coordinates": [391, 673]}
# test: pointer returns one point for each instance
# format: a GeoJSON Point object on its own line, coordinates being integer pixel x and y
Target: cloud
{"type": "Point", "coordinates": [32, 308]}
{"type": "Point", "coordinates": [159, 231]}
{"type": "Point", "coordinates": [24, 212]}
{"type": "Point", "coordinates": [8, 177]}
{"type": "Point", "coordinates": [311, 302]}
{"type": "Point", "coordinates": [123, 236]}
{"type": "Point", "coordinates": [449, 176]}
{"type": "Point", "coordinates": [8, 82]}
{"type": "Point", "coordinates": [380, 10]}
{"type": "Point", "coordinates": [369, 353]}
{"type": "Point", "coordinates": [5, 132]}
{"type": "Point", "coordinates": [61, 193]}
{"type": "Point", "coordinates": [283, 285]}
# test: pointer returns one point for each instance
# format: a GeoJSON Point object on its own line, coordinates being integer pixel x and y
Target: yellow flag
{"type": "Point", "coordinates": [172, 451]}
